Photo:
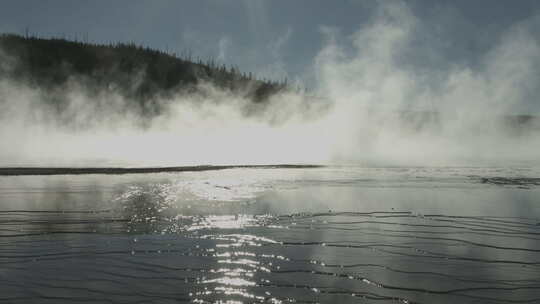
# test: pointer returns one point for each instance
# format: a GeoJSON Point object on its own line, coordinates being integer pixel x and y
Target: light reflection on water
{"type": "Point", "coordinates": [426, 235]}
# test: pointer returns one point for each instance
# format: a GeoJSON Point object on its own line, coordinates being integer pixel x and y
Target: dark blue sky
{"type": "Point", "coordinates": [271, 38]}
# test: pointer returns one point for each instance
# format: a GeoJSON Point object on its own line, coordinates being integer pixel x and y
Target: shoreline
{"type": "Point", "coordinates": [18, 171]}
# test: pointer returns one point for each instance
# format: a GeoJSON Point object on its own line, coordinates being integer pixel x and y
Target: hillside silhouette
{"type": "Point", "coordinates": [138, 73]}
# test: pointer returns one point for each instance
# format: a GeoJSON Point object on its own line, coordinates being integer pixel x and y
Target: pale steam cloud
{"type": "Point", "coordinates": [372, 106]}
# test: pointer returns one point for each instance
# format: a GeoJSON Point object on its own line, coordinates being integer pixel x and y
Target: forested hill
{"type": "Point", "coordinates": [137, 72]}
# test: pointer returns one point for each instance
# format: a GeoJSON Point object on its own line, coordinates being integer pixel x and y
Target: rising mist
{"type": "Point", "coordinates": [370, 105]}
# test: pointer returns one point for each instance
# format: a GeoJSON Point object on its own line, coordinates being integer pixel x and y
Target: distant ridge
{"type": "Point", "coordinates": [112, 170]}
{"type": "Point", "coordinates": [137, 72]}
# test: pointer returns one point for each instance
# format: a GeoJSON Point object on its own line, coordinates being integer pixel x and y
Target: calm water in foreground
{"type": "Point", "coordinates": [341, 234]}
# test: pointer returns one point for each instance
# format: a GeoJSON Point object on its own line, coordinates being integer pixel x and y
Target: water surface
{"type": "Point", "coordinates": [342, 234]}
